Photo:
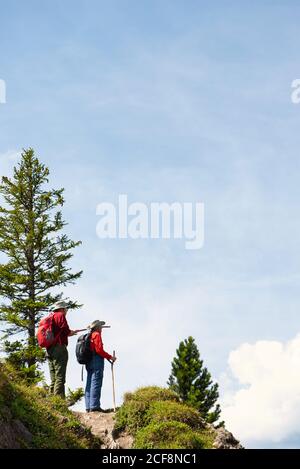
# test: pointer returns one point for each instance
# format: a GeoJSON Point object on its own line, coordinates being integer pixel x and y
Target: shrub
{"type": "Point", "coordinates": [131, 416]}
{"type": "Point", "coordinates": [170, 435]}
{"type": "Point", "coordinates": [151, 393]}
{"type": "Point", "coordinates": [74, 396]}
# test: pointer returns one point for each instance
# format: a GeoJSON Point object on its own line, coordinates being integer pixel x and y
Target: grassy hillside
{"type": "Point", "coordinates": [157, 419]}
{"type": "Point", "coordinates": [151, 417]}
{"type": "Point", "coordinates": [31, 419]}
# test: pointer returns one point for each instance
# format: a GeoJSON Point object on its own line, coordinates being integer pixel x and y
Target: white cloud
{"type": "Point", "coordinates": [267, 407]}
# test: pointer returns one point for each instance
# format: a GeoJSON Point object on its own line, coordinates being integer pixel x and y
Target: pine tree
{"type": "Point", "coordinates": [35, 255]}
{"type": "Point", "coordinates": [192, 381]}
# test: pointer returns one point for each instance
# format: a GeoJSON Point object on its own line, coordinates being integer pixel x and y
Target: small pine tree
{"type": "Point", "coordinates": [192, 382]}
{"type": "Point", "coordinates": [35, 257]}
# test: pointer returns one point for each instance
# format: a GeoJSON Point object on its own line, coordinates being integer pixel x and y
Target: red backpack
{"type": "Point", "coordinates": [45, 333]}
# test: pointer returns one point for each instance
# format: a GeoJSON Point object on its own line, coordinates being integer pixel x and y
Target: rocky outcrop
{"type": "Point", "coordinates": [225, 440]}
{"type": "Point", "coordinates": [101, 425]}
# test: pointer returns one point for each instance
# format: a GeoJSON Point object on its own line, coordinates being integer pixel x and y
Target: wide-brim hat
{"type": "Point", "coordinates": [96, 324]}
{"type": "Point", "coordinates": [60, 305]}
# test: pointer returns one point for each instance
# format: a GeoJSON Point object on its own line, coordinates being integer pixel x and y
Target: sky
{"type": "Point", "coordinates": [173, 102]}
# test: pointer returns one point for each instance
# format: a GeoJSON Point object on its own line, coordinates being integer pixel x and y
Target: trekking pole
{"type": "Point", "coordinates": [113, 382]}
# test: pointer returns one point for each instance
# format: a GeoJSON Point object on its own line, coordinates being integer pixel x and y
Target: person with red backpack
{"type": "Point", "coordinates": [53, 334]}
{"type": "Point", "coordinates": [95, 367]}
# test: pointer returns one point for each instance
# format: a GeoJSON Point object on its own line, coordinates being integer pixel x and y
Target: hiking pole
{"type": "Point", "coordinates": [113, 382]}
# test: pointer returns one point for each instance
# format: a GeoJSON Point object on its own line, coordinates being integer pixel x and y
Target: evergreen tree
{"type": "Point", "coordinates": [34, 256]}
{"type": "Point", "coordinates": [192, 381]}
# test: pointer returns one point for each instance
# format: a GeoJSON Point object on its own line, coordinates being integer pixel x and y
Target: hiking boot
{"type": "Point", "coordinates": [98, 409]}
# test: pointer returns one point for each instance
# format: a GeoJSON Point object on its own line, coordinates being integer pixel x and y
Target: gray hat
{"type": "Point", "coordinates": [96, 324]}
{"type": "Point", "coordinates": [60, 305]}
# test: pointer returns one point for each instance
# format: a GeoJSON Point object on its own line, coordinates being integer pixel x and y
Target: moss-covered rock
{"type": "Point", "coordinates": [171, 435]}
{"type": "Point", "coordinates": [151, 393]}
{"type": "Point", "coordinates": [132, 416]}
{"type": "Point", "coordinates": [165, 411]}
{"type": "Point", "coordinates": [156, 418]}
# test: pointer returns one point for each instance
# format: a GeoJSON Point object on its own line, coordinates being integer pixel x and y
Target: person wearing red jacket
{"type": "Point", "coordinates": [58, 352]}
{"type": "Point", "coordinates": [95, 368]}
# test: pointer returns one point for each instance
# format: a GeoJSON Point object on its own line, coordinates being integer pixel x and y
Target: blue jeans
{"type": "Point", "coordinates": [94, 380]}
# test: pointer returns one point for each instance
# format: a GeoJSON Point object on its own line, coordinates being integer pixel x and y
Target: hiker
{"type": "Point", "coordinates": [95, 368]}
{"type": "Point", "coordinates": [58, 353]}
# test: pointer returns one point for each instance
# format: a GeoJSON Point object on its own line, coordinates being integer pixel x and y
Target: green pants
{"type": "Point", "coordinates": [58, 359]}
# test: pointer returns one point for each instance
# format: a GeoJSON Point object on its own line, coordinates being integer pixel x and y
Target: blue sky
{"type": "Point", "coordinates": [168, 101]}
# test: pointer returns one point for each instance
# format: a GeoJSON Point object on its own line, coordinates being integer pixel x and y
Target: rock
{"type": "Point", "coordinates": [225, 440]}
{"type": "Point", "coordinates": [21, 430]}
{"type": "Point", "coordinates": [102, 425]}
{"type": "Point", "coordinates": [13, 433]}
